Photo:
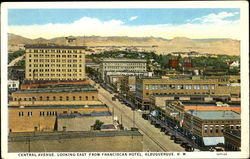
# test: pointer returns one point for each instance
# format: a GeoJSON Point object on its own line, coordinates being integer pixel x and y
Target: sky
{"type": "Point", "coordinates": [166, 23]}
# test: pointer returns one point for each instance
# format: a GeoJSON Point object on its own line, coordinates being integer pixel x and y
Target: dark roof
{"type": "Point", "coordinates": [188, 95]}
{"type": "Point", "coordinates": [73, 115]}
{"type": "Point", "coordinates": [29, 136]}
{"type": "Point", "coordinates": [59, 88]}
{"type": "Point", "coordinates": [54, 47]}
{"type": "Point", "coordinates": [58, 106]}
{"type": "Point", "coordinates": [108, 126]}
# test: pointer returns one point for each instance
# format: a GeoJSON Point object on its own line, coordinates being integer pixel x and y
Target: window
{"type": "Point", "coordinates": [29, 113]}
{"type": "Point", "coordinates": [20, 113]}
{"type": "Point", "coordinates": [67, 97]}
{"type": "Point", "coordinates": [47, 98]}
{"type": "Point", "coordinates": [188, 86]}
{"type": "Point", "coordinates": [80, 97]}
{"type": "Point", "coordinates": [54, 98]}
{"type": "Point", "coordinates": [212, 86]}
{"type": "Point", "coordinates": [196, 86]}
{"type": "Point", "coordinates": [172, 86]}
{"type": "Point", "coordinates": [179, 86]}
{"type": "Point", "coordinates": [93, 97]}
{"type": "Point", "coordinates": [204, 86]}
{"type": "Point", "coordinates": [87, 98]}
{"type": "Point", "coordinates": [74, 98]}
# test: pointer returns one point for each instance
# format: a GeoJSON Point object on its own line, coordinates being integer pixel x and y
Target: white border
{"type": "Point", "coordinates": [243, 5]}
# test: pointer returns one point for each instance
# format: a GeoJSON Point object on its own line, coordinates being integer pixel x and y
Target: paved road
{"type": "Point", "coordinates": [153, 139]}
{"type": "Point", "coordinates": [13, 62]}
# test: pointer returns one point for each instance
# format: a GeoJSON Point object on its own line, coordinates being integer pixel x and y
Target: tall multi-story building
{"type": "Point", "coordinates": [123, 67]}
{"type": "Point", "coordinates": [54, 62]}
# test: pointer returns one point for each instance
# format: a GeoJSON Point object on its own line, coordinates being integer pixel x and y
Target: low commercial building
{"type": "Point", "coordinates": [90, 141]}
{"type": "Point", "coordinates": [56, 95]}
{"type": "Point", "coordinates": [145, 87]}
{"type": "Point", "coordinates": [207, 127]}
{"type": "Point", "coordinates": [82, 121]}
{"type": "Point", "coordinates": [13, 84]}
{"type": "Point", "coordinates": [44, 117]}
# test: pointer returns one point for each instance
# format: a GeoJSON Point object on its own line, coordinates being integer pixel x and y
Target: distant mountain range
{"type": "Point", "coordinates": [178, 44]}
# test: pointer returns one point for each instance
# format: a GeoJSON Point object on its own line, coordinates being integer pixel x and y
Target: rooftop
{"type": "Point", "coordinates": [59, 88]}
{"type": "Point", "coordinates": [59, 106]}
{"type": "Point", "coordinates": [215, 115]}
{"type": "Point", "coordinates": [74, 115]}
{"type": "Point", "coordinates": [29, 136]}
{"type": "Point", "coordinates": [124, 60]}
{"type": "Point", "coordinates": [41, 46]}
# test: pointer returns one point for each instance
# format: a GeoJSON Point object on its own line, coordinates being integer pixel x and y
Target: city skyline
{"type": "Point", "coordinates": [193, 23]}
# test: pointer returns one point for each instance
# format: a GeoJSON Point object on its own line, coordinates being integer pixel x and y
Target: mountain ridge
{"type": "Point", "coordinates": [177, 44]}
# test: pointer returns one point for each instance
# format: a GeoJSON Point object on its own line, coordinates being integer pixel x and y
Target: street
{"type": "Point", "coordinates": [153, 139]}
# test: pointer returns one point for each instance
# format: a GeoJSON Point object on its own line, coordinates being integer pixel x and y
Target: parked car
{"type": "Point", "coordinates": [189, 148]}
{"type": "Point", "coordinates": [168, 133]}
{"type": "Point", "coordinates": [157, 125]}
{"type": "Point", "coordinates": [184, 144]}
{"type": "Point", "coordinates": [177, 140]}
{"type": "Point", "coordinates": [145, 116]}
{"type": "Point", "coordinates": [152, 122]}
{"type": "Point", "coordinates": [172, 137]}
{"type": "Point", "coordinates": [163, 129]}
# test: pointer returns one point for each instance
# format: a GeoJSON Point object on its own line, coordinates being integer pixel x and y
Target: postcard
{"type": "Point", "coordinates": [125, 79]}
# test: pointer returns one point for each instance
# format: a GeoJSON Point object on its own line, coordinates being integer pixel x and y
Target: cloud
{"type": "Point", "coordinates": [215, 18]}
{"type": "Point", "coordinates": [92, 26]}
{"type": "Point", "coordinates": [133, 18]}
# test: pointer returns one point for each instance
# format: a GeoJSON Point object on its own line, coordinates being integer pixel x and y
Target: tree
{"type": "Point", "coordinates": [97, 125]}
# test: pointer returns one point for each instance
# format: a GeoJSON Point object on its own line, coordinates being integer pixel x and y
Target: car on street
{"type": "Point", "coordinates": [157, 125]}
{"type": "Point", "coordinates": [145, 116]}
{"type": "Point", "coordinates": [184, 144]}
{"type": "Point", "coordinates": [189, 148]}
{"type": "Point", "coordinates": [177, 140]}
{"type": "Point", "coordinates": [168, 133]}
{"type": "Point", "coordinates": [172, 137]}
{"type": "Point", "coordinates": [163, 129]}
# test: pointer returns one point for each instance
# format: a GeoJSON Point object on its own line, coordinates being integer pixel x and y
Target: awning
{"type": "Point", "coordinates": [213, 141]}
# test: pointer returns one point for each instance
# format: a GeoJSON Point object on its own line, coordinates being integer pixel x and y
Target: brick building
{"type": "Point", "coordinates": [54, 62]}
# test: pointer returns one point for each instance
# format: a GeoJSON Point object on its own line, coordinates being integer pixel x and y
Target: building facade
{"type": "Point", "coordinates": [232, 140]}
{"type": "Point", "coordinates": [205, 125]}
{"type": "Point", "coordinates": [53, 62]}
{"type": "Point", "coordinates": [44, 117]}
{"type": "Point", "coordinates": [124, 66]}
{"type": "Point", "coordinates": [145, 87]}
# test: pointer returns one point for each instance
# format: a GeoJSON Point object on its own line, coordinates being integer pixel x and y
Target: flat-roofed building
{"type": "Point", "coordinates": [145, 87]}
{"type": "Point", "coordinates": [54, 62]}
{"type": "Point", "coordinates": [43, 117]}
{"type": "Point", "coordinates": [123, 67]}
{"type": "Point", "coordinates": [80, 141]}
{"type": "Point", "coordinates": [82, 121]}
{"type": "Point", "coordinates": [71, 94]}
{"type": "Point", "coordinates": [208, 126]}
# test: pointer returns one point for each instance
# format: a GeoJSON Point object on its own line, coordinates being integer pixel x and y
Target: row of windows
{"type": "Point", "coordinates": [178, 86]}
{"type": "Point", "coordinates": [54, 51]}
{"type": "Point", "coordinates": [55, 75]}
{"type": "Point", "coordinates": [55, 60]}
{"type": "Point", "coordinates": [124, 64]}
{"type": "Point", "coordinates": [22, 114]}
{"type": "Point", "coordinates": [29, 114]}
{"type": "Point", "coordinates": [55, 78]}
{"type": "Point", "coordinates": [54, 65]}
{"type": "Point", "coordinates": [54, 98]}
{"type": "Point", "coordinates": [218, 129]}
{"type": "Point", "coordinates": [58, 56]}
{"type": "Point", "coordinates": [124, 67]}
{"type": "Point", "coordinates": [54, 70]}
